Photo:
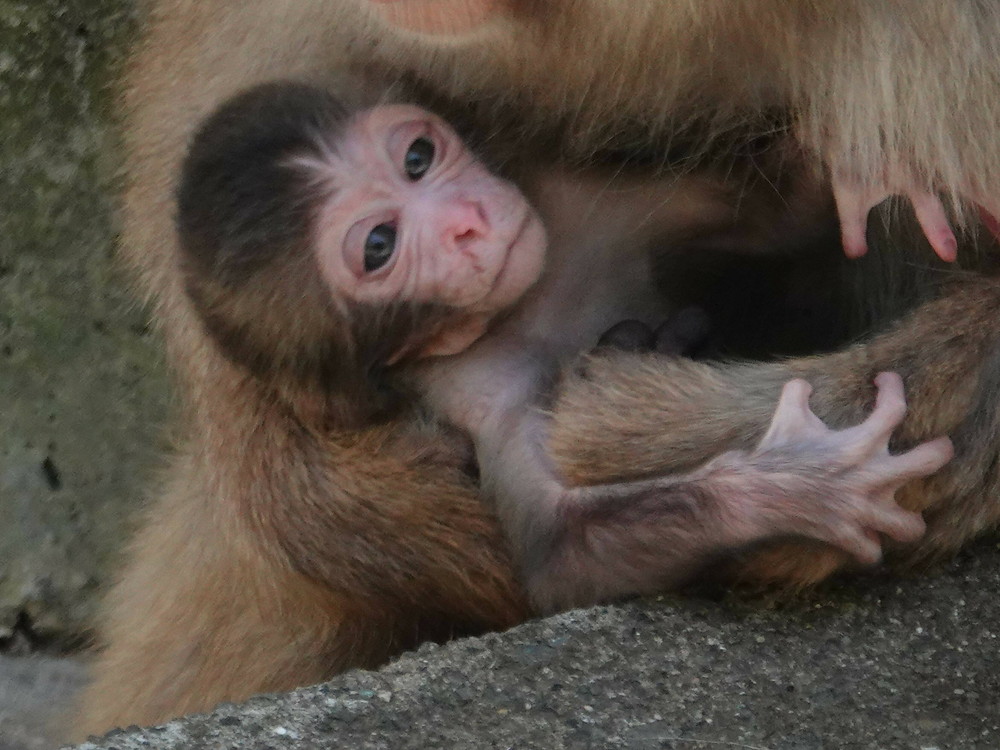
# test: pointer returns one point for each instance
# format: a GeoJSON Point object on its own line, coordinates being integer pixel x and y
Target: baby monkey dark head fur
{"type": "Point", "coordinates": [246, 218]}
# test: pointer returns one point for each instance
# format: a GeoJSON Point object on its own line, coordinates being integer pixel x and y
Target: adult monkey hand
{"type": "Point", "coordinates": [861, 176]}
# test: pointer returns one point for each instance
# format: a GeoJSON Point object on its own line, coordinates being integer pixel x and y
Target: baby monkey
{"type": "Point", "coordinates": [367, 257]}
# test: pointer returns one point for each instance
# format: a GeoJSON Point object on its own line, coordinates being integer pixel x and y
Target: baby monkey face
{"type": "Point", "coordinates": [414, 216]}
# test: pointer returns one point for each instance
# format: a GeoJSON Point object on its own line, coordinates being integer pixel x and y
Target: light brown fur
{"type": "Point", "coordinates": [948, 353]}
{"type": "Point", "coordinates": [868, 86]}
{"type": "Point", "coordinates": [278, 554]}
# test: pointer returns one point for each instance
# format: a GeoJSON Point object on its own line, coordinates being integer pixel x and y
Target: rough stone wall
{"type": "Point", "coordinates": [82, 393]}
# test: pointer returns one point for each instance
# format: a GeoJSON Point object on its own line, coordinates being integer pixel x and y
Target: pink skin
{"type": "Point", "coordinates": [854, 198]}
{"type": "Point", "coordinates": [803, 480]}
{"type": "Point", "coordinates": [859, 463]}
{"type": "Point", "coordinates": [854, 201]}
{"type": "Point", "coordinates": [465, 237]}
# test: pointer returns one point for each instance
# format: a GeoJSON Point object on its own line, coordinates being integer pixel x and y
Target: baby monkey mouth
{"type": "Point", "coordinates": [518, 233]}
{"type": "Point", "coordinates": [512, 247]}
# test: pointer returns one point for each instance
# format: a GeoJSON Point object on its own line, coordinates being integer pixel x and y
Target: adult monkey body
{"type": "Point", "coordinates": [259, 486]}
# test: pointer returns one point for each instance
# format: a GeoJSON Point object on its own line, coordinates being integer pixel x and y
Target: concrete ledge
{"type": "Point", "coordinates": [887, 663]}
{"type": "Point", "coordinates": [34, 693]}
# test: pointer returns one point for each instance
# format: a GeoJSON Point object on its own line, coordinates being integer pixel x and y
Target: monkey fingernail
{"type": "Point", "coordinates": [854, 241]}
{"type": "Point", "coordinates": [934, 222]}
{"type": "Point", "coordinates": [946, 248]}
{"type": "Point", "coordinates": [855, 248]}
{"type": "Point", "coordinates": [867, 552]}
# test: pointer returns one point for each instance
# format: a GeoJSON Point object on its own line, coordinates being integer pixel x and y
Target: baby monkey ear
{"type": "Point", "coordinates": [446, 17]}
{"type": "Point", "coordinates": [455, 338]}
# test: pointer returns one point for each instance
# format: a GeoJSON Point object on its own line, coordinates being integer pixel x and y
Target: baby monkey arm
{"type": "Point", "coordinates": [578, 545]}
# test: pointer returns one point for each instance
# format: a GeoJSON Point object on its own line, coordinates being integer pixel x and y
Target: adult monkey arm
{"type": "Point", "coordinates": [228, 592]}
{"type": "Point", "coordinates": [681, 412]}
{"type": "Point", "coordinates": [881, 95]}
{"type": "Point", "coordinates": [277, 556]}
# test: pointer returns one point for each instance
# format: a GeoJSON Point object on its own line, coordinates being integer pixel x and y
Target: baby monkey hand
{"type": "Point", "coordinates": [846, 496]}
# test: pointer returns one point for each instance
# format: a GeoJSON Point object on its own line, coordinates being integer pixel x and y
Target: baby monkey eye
{"type": "Point", "coordinates": [379, 247]}
{"type": "Point", "coordinates": [418, 158]}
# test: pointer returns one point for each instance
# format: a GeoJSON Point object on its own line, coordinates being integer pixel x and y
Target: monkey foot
{"type": "Point", "coordinates": [685, 334]}
{"type": "Point", "coordinates": [854, 202]}
{"type": "Point", "coordinates": [847, 497]}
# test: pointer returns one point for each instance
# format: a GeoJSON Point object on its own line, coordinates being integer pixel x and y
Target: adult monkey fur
{"type": "Point", "coordinates": [372, 250]}
{"type": "Point", "coordinates": [259, 491]}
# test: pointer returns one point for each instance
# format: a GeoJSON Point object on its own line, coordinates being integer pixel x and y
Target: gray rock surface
{"type": "Point", "coordinates": [81, 387]}
{"type": "Point", "coordinates": [883, 663]}
{"type": "Point", "coordinates": [33, 693]}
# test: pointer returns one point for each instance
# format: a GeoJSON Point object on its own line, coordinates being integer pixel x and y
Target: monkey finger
{"type": "Point", "coordinates": [853, 206]}
{"type": "Point", "coordinates": [890, 408]}
{"type": "Point", "coordinates": [898, 524]}
{"type": "Point", "coordinates": [862, 545]}
{"type": "Point", "coordinates": [873, 535]}
{"type": "Point", "coordinates": [793, 419]}
{"type": "Point", "coordinates": [921, 461]}
{"type": "Point", "coordinates": [934, 221]}
{"type": "Point", "coordinates": [890, 401]}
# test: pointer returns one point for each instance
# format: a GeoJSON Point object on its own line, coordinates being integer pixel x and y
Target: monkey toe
{"type": "Point", "coordinates": [686, 334]}
{"type": "Point", "coordinates": [629, 336]}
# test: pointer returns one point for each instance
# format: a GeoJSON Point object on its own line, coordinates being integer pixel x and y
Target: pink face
{"type": "Point", "coordinates": [414, 216]}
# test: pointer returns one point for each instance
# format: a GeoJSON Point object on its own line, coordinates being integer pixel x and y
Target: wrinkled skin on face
{"type": "Point", "coordinates": [414, 216]}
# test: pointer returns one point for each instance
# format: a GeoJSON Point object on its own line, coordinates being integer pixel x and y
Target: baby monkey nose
{"type": "Point", "coordinates": [466, 222]}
